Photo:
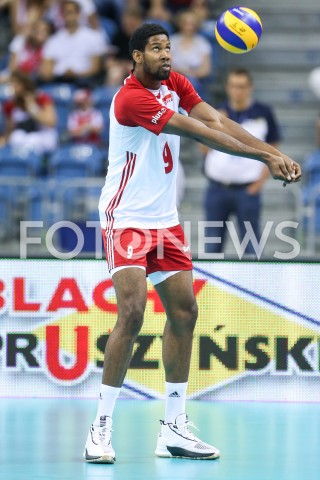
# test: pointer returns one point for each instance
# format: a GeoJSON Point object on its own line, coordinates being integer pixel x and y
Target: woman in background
{"type": "Point", "coordinates": [191, 52]}
{"type": "Point", "coordinates": [30, 117]}
{"type": "Point", "coordinates": [26, 50]}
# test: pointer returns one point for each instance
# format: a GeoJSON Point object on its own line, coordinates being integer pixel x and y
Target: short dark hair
{"type": "Point", "coordinates": [240, 71]}
{"type": "Point", "coordinates": [73, 2]}
{"type": "Point", "coordinates": [139, 38]}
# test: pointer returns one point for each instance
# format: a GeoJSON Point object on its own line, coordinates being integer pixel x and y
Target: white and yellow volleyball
{"type": "Point", "coordinates": [238, 29]}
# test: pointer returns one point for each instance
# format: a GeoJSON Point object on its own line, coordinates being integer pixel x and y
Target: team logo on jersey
{"type": "Point", "coordinates": [158, 115]}
{"type": "Point", "coordinates": [167, 98]}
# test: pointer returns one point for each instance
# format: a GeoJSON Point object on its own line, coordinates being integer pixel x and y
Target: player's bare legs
{"type": "Point", "coordinates": [175, 438]}
{"type": "Point", "coordinates": [131, 292]}
{"type": "Point", "coordinates": [176, 294]}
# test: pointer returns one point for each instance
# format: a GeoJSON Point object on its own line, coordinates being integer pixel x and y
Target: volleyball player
{"type": "Point", "coordinates": [141, 230]}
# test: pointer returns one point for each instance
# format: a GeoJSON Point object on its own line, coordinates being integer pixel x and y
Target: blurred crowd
{"type": "Point", "coordinates": [61, 62]}
{"type": "Point", "coordinates": [82, 45]}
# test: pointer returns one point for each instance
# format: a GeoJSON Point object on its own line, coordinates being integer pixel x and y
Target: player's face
{"type": "Point", "coordinates": [157, 57]}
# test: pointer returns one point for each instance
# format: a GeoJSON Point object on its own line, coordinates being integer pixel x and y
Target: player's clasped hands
{"type": "Point", "coordinates": [284, 168]}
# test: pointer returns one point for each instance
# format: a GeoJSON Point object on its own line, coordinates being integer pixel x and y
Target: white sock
{"type": "Point", "coordinates": [107, 400]}
{"type": "Point", "coordinates": [175, 400]}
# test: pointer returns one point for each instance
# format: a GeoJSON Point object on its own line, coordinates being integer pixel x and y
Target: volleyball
{"type": "Point", "coordinates": [238, 29]}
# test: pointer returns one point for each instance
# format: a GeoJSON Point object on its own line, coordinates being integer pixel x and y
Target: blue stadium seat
{"type": "Point", "coordinates": [5, 92]}
{"type": "Point", "coordinates": [79, 204]}
{"type": "Point", "coordinates": [62, 95]}
{"type": "Point", "coordinates": [68, 240]}
{"type": "Point", "coordinates": [4, 152]}
{"type": "Point", "coordinates": [80, 160]}
{"type": "Point", "coordinates": [4, 60]}
{"type": "Point", "coordinates": [109, 27]}
{"type": "Point", "coordinates": [2, 122]}
{"type": "Point", "coordinates": [4, 213]}
{"type": "Point", "coordinates": [19, 161]}
{"type": "Point", "coordinates": [102, 96]}
{"type": "Point", "coordinates": [106, 125]}
{"type": "Point", "coordinates": [15, 168]}
{"type": "Point", "coordinates": [19, 200]}
{"type": "Point", "coordinates": [62, 118]}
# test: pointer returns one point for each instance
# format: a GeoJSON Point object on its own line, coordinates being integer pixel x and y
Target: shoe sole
{"type": "Point", "coordinates": [102, 459]}
{"type": "Point", "coordinates": [167, 454]}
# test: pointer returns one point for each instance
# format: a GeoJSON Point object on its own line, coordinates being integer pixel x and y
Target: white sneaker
{"type": "Point", "coordinates": [98, 447]}
{"type": "Point", "coordinates": [176, 440]}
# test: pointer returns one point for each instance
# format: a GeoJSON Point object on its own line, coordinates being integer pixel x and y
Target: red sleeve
{"type": "Point", "coordinates": [185, 90]}
{"type": "Point", "coordinates": [139, 108]}
{"type": "Point", "coordinates": [44, 99]}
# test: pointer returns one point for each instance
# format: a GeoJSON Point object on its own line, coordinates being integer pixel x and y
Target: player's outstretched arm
{"type": "Point", "coordinates": [206, 114]}
{"type": "Point", "coordinates": [281, 167]}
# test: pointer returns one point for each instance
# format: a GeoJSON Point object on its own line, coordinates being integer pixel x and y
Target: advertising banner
{"type": "Point", "coordinates": [257, 336]}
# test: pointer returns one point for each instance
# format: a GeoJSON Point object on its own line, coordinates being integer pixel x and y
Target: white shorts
{"type": "Point", "coordinates": [155, 277]}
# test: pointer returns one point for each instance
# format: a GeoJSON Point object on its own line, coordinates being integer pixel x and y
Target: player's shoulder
{"type": "Point", "coordinates": [132, 92]}
{"type": "Point", "coordinates": [131, 99]}
{"type": "Point", "coordinates": [131, 85]}
{"type": "Point", "coordinates": [176, 81]}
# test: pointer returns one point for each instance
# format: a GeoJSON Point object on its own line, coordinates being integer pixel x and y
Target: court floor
{"type": "Point", "coordinates": [44, 439]}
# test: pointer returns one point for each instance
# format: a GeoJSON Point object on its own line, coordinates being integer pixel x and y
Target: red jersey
{"type": "Point", "coordinates": [140, 187]}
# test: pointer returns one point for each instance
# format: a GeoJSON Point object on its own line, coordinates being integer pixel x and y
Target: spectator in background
{"type": "Point", "coordinates": [88, 15]}
{"type": "Point", "coordinates": [25, 12]}
{"type": "Point", "coordinates": [235, 183]}
{"type": "Point", "coordinates": [26, 50]}
{"type": "Point", "coordinates": [85, 123]}
{"type": "Point", "coordinates": [191, 52]}
{"type": "Point", "coordinates": [110, 9]}
{"type": "Point", "coordinates": [201, 8]}
{"type": "Point", "coordinates": [5, 30]}
{"type": "Point", "coordinates": [30, 117]}
{"type": "Point", "coordinates": [119, 63]}
{"type": "Point", "coordinates": [74, 53]}
{"type": "Point", "coordinates": [177, 5]}
{"type": "Point", "coordinates": [158, 10]}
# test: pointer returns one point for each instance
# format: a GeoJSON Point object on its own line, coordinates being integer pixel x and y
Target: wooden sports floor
{"type": "Point", "coordinates": [43, 439]}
